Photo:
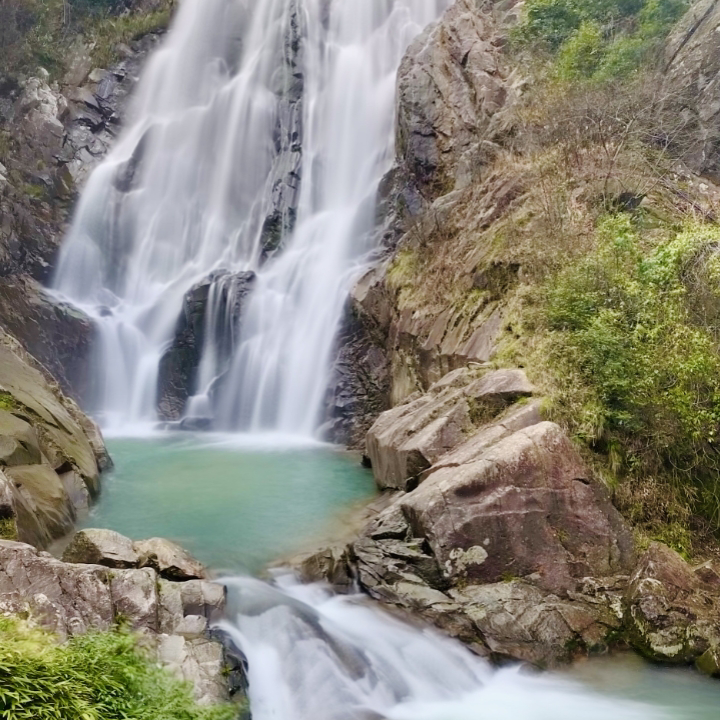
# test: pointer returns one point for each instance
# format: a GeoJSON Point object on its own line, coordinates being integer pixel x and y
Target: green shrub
{"type": "Point", "coordinates": [99, 676]}
{"type": "Point", "coordinates": [598, 39]}
{"type": "Point", "coordinates": [632, 336]}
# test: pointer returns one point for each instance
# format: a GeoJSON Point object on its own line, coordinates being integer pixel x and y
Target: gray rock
{"type": "Point", "coordinates": [169, 559]}
{"type": "Point", "coordinates": [672, 611]}
{"type": "Point", "coordinates": [135, 599]}
{"type": "Point", "coordinates": [170, 606]}
{"type": "Point", "coordinates": [68, 599]}
{"type": "Point", "coordinates": [406, 441]}
{"type": "Point", "coordinates": [203, 598]}
{"type": "Point", "coordinates": [101, 547]}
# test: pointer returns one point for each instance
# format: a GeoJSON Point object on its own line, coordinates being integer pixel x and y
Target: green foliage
{"type": "Point", "coordinates": [100, 676]}
{"type": "Point", "coordinates": [7, 401]}
{"type": "Point", "coordinates": [598, 39]}
{"type": "Point", "coordinates": [637, 329]}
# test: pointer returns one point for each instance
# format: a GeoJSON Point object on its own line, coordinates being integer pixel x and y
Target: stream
{"type": "Point", "coordinates": [240, 502]}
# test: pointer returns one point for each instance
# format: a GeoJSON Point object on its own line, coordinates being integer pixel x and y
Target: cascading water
{"type": "Point", "coordinates": [257, 139]}
{"type": "Point", "coordinates": [313, 656]}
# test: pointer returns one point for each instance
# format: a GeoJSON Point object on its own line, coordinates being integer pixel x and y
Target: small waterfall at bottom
{"type": "Point", "coordinates": [317, 656]}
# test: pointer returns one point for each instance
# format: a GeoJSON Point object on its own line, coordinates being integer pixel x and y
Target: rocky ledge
{"type": "Point", "coordinates": [153, 587]}
{"type": "Point", "coordinates": [499, 533]}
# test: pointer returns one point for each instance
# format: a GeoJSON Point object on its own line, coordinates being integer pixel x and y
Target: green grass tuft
{"type": "Point", "coordinates": [99, 676]}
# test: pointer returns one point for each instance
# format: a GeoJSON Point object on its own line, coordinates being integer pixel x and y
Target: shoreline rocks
{"type": "Point", "coordinates": [71, 598]}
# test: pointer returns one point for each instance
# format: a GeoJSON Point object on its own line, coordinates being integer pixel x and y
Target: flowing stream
{"type": "Point", "coordinates": [255, 144]}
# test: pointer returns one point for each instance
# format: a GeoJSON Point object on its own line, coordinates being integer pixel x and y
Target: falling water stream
{"type": "Point", "coordinates": [255, 143]}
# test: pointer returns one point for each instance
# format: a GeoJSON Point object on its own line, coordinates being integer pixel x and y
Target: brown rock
{"type": "Point", "coordinates": [526, 507]}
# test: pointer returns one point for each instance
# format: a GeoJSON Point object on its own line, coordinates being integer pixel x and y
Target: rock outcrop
{"type": "Point", "coordinates": [72, 598]}
{"type": "Point", "coordinates": [211, 313]}
{"type": "Point", "coordinates": [52, 454]}
{"type": "Point", "coordinates": [58, 132]}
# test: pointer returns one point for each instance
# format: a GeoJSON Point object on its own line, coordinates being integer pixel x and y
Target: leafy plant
{"type": "Point", "coordinates": [98, 676]}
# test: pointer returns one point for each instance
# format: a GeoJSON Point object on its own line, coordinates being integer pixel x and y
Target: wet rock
{"type": "Point", "coordinates": [102, 547]}
{"type": "Point", "coordinates": [329, 564]}
{"type": "Point", "coordinates": [169, 559]}
{"type": "Point", "coordinates": [672, 611]}
{"type": "Point", "coordinates": [203, 598]}
{"type": "Point", "coordinates": [225, 292]}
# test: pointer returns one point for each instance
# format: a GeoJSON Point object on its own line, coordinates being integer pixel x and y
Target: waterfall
{"type": "Point", "coordinates": [315, 656]}
{"type": "Point", "coordinates": [255, 143]}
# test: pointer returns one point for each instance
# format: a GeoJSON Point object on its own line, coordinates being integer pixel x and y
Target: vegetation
{"type": "Point", "coordinates": [599, 39]}
{"type": "Point", "coordinates": [38, 32]}
{"type": "Point", "coordinates": [99, 676]}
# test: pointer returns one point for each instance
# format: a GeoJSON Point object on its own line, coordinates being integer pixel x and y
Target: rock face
{"type": "Point", "coordinates": [407, 440]}
{"type": "Point", "coordinates": [52, 453]}
{"type": "Point", "coordinates": [452, 86]}
{"type": "Point", "coordinates": [71, 599]}
{"type": "Point", "coordinates": [59, 132]}
{"type": "Point", "coordinates": [210, 313]}
{"type": "Point", "coordinates": [692, 67]}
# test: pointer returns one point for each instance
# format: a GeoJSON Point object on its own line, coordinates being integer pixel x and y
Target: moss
{"type": "Point", "coordinates": [8, 529]}
{"type": "Point", "coordinates": [34, 191]}
{"type": "Point", "coordinates": [8, 402]}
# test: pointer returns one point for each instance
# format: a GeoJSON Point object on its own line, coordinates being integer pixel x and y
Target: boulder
{"type": "Point", "coordinates": [101, 547]}
{"type": "Point", "coordinates": [203, 598]}
{"type": "Point", "coordinates": [673, 610]}
{"type": "Point", "coordinates": [68, 599]}
{"type": "Point", "coordinates": [169, 559]}
{"type": "Point", "coordinates": [407, 440]}
{"type": "Point", "coordinates": [135, 599]}
{"type": "Point", "coordinates": [527, 506]}
{"type": "Point", "coordinates": [18, 441]}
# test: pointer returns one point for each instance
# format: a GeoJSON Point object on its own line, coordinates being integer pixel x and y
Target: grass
{"type": "Point", "coordinates": [98, 676]}
{"type": "Point", "coordinates": [39, 32]}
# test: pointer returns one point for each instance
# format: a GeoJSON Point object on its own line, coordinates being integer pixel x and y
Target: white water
{"type": "Point", "coordinates": [208, 111]}
{"type": "Point", "coordinates": [314, 656]}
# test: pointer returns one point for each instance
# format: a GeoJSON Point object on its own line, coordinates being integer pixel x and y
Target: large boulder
{"type": "Point", "coordinates": [169, 559]}
{"type": "Point", "coordinates": [673, 610]}
{"type": "Point", "coordinates": [101, 547]}
{"type": "Point", "coordinates": [528, 506]}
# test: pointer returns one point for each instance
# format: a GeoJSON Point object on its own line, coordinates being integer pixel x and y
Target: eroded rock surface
{"type": "Point", "coordinates": [73, 598]}
{"type": "Point", "coordinates": [52, 454]}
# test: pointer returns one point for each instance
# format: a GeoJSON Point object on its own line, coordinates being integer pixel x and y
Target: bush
{"type": "Point", "coordinates": [637, 329]}
{"type": "Point", "coordinates": [598, 39]}
{"type": "Point", "coordinates": [99, 676]}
